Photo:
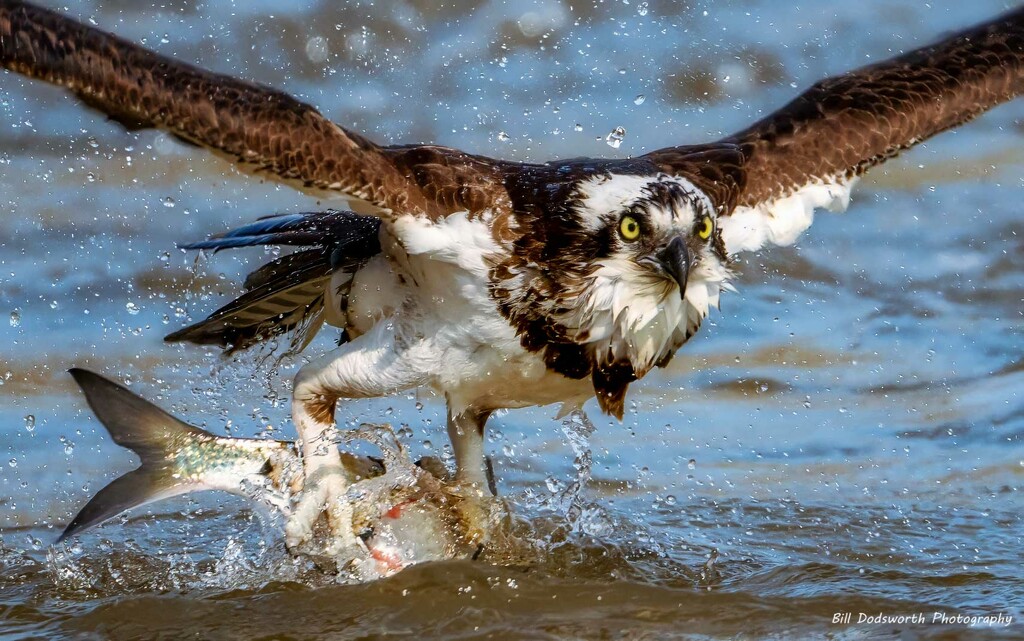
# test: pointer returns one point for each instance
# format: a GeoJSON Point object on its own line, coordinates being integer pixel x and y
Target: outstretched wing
{"type": "Point", "coordinates": [808, 153]}
{"type": "Point", "coordinates": [258, 127]}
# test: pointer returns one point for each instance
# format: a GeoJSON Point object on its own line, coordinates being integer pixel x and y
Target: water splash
{"type": "Point", "coordinates": [580, 515]}
{"type": "Point", "coordinates": [615, 137]}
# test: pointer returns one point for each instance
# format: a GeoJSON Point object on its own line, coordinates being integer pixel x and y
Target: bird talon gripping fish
{"type": "Point", "coordinates": [502, 284]}
{"type": "Point", "coordinates": [402, 513]}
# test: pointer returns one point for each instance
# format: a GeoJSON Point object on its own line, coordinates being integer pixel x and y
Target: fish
{"type": "Point", "coordinates": [405, 513]}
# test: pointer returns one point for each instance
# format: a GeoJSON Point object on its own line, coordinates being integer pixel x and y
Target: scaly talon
{"type": "Point", "coordinates": [324, 492]}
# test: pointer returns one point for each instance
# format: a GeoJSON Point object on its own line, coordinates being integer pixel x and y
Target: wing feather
{"type": "Point", "coordinates": [257, 127]}
{"type": "Point", "coordinates": [842, 126]}
{"type": "Point", "coordinates": [808, 153]}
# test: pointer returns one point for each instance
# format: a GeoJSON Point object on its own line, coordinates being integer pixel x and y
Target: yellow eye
{"type": "Point", "coordinates": [705, 228]}
{"type": "Point", "coordinates": [629, 228]}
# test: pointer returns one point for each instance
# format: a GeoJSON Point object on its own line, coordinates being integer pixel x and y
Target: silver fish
{"type": "Point", "coordinates": [404, 513]}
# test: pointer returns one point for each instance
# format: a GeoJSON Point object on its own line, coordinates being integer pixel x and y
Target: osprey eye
{"type": "Point", "coordinates": [629, 228]}
{"type": "Point", "coordinates": [705, 227]}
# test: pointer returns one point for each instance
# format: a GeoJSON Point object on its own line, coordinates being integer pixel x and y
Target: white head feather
{"type": "Point", "coordinates": [628, 311]}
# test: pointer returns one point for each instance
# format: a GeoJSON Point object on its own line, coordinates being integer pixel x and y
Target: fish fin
{"type": "Point", "coordinates": [132, 421]}
{"type": "Point", "coordinates": [145, 429]}
{"type": "Point", "coordinates": [131, 490]}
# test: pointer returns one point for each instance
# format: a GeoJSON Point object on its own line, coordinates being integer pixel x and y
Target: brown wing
{"type": "Point", "coordinates": [842, 126]}
{"type": "Point", "coordinates": [256, 126]}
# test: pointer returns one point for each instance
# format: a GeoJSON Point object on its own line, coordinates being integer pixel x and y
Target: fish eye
{"type": "Point", "coordinates": [629, 228]}
{"type": "Point", "coordinates": [705, 227]}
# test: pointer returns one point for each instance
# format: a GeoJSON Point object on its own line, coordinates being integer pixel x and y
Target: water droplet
{"type": "Point", "coordinates": [639, 100]}
{"type": "Point", "coordinates": [554, 485]}
{"type": "Point", "coordinates": [642, 8]}
{"type": "Point", "coordinates": [615, 138]}
{"type": "Point", "coordinates": [16, 318]}
{"type": "Point", "coordinates": [165, 256]}
{"type": "Point", "coordinates": [13, 462]}
{"type": "Point", "coordinates": [503, 137]}
{"type": "Point", "coordinates": [419, 406]}
{"type": "Point", "coordinates": [132, 308]}
{"type": "Point", "coordinates": [670, 500]}
{"type": "Point", "coordinates": [90, 177]}
{"type": "Point", "coordinates": [577, 127]}
{"type": "Point", "coordinates": [30, 422]}
{"type": "Point", "coordinates": [169, 202]}
{"type": "Point", "coordinates": [692, 464]}
{"type": "Point", "coordinates": [317, 50]}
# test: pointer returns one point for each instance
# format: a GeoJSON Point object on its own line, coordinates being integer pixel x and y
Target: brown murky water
{"type": "Point", "coordinates": [844, 437]}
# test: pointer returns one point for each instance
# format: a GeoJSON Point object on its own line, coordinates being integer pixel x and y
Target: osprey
{"type": "Point", "coordinates": [503, 284]}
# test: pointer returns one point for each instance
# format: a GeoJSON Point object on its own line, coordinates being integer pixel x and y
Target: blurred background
{"type": "Point", "coordinates": [846, 431]}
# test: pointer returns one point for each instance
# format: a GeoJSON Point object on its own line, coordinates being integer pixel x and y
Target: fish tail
{"type": "Point", "coordinates": [143, 428]}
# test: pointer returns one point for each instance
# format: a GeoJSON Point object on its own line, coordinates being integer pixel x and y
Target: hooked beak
{"type": "Point", "coordinates": [674, 259]}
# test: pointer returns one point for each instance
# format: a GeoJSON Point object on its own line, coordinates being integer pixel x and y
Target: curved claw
{"type": "Point", "coordinates": [324, 492]}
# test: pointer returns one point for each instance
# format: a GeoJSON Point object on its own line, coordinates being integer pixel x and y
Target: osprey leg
{"type": "Point", "coordinates": [466, 431]}
{"type": "Point", "coordinates": [472, 470]}
{"type": "Point", "coordinates": [374, 364]}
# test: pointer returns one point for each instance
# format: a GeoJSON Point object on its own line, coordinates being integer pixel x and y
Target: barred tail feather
{"type": "Point", "coordinates": [249, 320]}
{"type": "Point", "coordinates": [286, 298]}
{"type": "Point", "coordinates": [288, 294]}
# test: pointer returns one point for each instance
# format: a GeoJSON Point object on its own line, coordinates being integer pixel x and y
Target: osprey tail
{"type": "Point", "coordinates": [287, 294]}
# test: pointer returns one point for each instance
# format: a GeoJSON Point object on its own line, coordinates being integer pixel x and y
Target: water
{"type": "Point", "coordinates": [844, 436]}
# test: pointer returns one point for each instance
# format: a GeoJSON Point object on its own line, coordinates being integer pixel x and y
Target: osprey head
{"type": "Point", "coordinates": [613, 275]}
{"type": "Point", "coordinates": [657, 266]}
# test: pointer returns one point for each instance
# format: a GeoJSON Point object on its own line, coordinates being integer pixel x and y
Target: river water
{"type": "Point", "coordinates": [843, 437]}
